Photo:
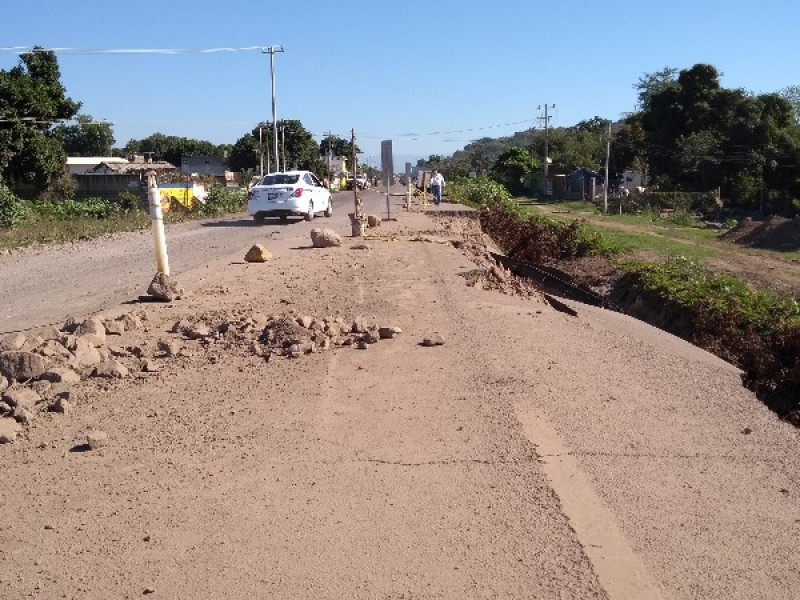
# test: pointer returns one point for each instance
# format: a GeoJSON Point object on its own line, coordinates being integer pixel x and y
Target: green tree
{"type": "Point", "coordinates": [513, 168]}
{"type": "Point", "coordinates": [86, 137]}
{"type": "Point", "coordinates": [338, 146]}
{"type": "Point", "coordinates": [32, 100]}
{"type": "Point", "coordinates": [301, 151]}
{"type": "Point", "coordinates": [171, 148]}
{"type": "Point", "coordinates": [792, 95]}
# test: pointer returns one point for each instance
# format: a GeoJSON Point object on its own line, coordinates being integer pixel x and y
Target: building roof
{"type": "Point", "coordinates": [138, 167]}
{"type": "Point", "coordinates": [94, 160]}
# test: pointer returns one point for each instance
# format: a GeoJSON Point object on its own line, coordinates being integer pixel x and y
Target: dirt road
{"type": "Point", "coordinates": [533, 455]}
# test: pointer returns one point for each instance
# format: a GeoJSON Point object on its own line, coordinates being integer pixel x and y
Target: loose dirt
{"type": "Point", "coordinates": [236, 467]}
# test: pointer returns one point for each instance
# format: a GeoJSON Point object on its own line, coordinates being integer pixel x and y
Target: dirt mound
{"type": "Point", "coordinates": [774, 233]}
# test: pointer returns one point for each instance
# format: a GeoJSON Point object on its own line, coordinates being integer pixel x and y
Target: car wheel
{"type": "Point", "coordinates": [310, 213]}
{"type": "Point", "coordinates": [258, 218]}
{"type": "Point", "coordinates": [329, 210]}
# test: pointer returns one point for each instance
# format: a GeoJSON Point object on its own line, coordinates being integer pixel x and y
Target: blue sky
{"type": "Point", "coordinates": [431, 76]}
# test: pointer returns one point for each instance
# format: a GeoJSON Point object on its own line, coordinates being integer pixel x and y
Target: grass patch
{"type": "Point", "coordinates": [73, 220]}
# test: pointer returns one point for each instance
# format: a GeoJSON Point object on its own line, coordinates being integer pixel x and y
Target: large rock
{"type": "Point", "coordinates": [131, 322]}
{"type": "Point", "coordinates": [325, 238]}
{"type": "Point", "coordinates": [86, 355]}
{"type": "Point", "coordinates": [96, 440]}
{"type": "Point", "coordinates": [114, 327]}
{"type": "Point", "coordinates": [61, 375]}
{"type": "Point", "coordinates": [258, 254]}
{"type": "Point", "coordinates": [21, 398]}
{"type": "Point", "coordinates": [373, 220]}
{"type": "Point", "coordinates": [388, 333]}
{"type": "Point", "coordinates": [112, 369]}
{"type": "Point", "coordinates": [12, 342]}
{"type": "Point", "coordinates": [93, 327]}
{"type": "Point", "coordinates": [21, 365]}
{"type": "Point", "coordinates": [9, 429]}
{"type": "Point", "coordinates": [164, 288]}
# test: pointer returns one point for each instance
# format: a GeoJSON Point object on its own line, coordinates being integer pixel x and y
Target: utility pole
{"type": "Point", "coordinates": [605, 187]}
{"type": "Point", "coordinates": [260, 152]}
{"type": "Point", "coordinates": [546, 120]}
{"type": "Point", "coordinates": [328, 152]}
{"type": "Point", "coordinates": [271, 51]}
{"type": "Point", "coordinates": [283, 145]}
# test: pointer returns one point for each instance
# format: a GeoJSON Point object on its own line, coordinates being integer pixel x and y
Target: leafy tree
{"type": "Point", "coordinates": [651, 84]}
{"type": "Point", "coordinates": [244, 154]}
{"type": "Point", "coordinates": [338, 146]}
{"type": "Point", "coordinates": [699, 135]}
{"type": "Point", "coordinates": [86, 137]}
{"type": "Point", "coordinates": [32, 99]}
{"type": "Point", "coordinates": [513, 167]}
{"type": "Point", "coordinates": [171, 148]}
{"type": "Point", "coordinates": [792, 95]}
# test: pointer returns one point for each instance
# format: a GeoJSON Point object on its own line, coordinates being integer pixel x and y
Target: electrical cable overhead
{"type": "Point", "coordinates": [84, 51]}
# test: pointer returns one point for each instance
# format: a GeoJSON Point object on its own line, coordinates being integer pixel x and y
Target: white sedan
{"type": "Point", "coordinates": [293, 193]}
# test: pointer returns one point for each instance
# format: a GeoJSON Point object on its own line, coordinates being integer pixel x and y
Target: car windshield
{"type": "Point", "coordinates": [279, 179]}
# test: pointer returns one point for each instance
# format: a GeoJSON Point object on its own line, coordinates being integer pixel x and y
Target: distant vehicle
{"type": "Point", "coordinates": [284, 195]}
{"type": "Point", "coordinates": [361, 180]}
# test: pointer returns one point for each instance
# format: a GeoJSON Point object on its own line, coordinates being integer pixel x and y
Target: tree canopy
{"type": "Point", "coordinates": [32, 102]}
{"type": "Point", "coordinates": [86, 137]}
{"type": "Point", "coordinates": [301, 151]}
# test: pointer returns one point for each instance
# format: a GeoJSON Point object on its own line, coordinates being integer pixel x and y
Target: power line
{"type": "Point", "coordinates": [85, 51]}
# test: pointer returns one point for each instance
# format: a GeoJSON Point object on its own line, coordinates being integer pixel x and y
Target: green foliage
{"type": "Point", "coordinates": [11, 208]}
{"type": "Point", "coordinates": [222, 200]}
{"type": "Point", "coordinates": [31, 98]}
{"type": "Point", "coordinates": [171, 148]}
{"type": "Point", "coordinates": [513, 168]}
{"type": "Point", "coordinates": [688, 285]}
{"type": "Point", "coordinates": [86, 137]}
{"type": "Point", "coordinates": [482, 192]}
{"type": "Point", "coordinates": [128, 201]}
{"type": "Point", "coordinates": [95, 208]}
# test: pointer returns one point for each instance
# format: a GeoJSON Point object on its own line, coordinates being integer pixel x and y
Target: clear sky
{"type": "Point", "coordinates": [429, 75]}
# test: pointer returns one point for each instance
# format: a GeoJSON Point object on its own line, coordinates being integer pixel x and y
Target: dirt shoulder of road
{"type": "Point", "coordinates": [400, 469]}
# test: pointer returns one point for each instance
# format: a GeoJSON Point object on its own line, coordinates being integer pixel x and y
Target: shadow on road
{"type": "Point", "coordinates": [249, 223]}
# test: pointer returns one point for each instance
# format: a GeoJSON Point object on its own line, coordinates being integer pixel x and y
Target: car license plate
{"type": "Point", "coordinates": [272, 195]}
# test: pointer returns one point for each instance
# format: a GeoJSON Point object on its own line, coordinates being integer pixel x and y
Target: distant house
{"type": "Point", "coordinates": [207, 166]}
{"type": "Point", "coordinates": [77, 165]}
{"type": "Point", "coordinates": [581, 183]}
{"type": "Point", "coordinates": [139, 167]}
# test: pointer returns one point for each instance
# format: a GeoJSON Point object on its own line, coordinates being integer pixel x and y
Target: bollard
{"type": "Point", "coordinates": [157, 216]}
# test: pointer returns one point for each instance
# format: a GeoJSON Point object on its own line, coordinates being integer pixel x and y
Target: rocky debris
{"type": "Point", "coordinates": [54, 349]}
{"type": "Point", "coordinates": [70, 325]}
{"type": "Point", "coordinates": [85, 353]}
{"type": "Point", "coordinates": [258, 254]}
{"type": "Point", "coordinates": [114, 327]}
{"type": "Point", "coordinates": [131, 322]}
{"type": "Point", "coordinates": [9, 429]}
{"type": "Point", "coordinates": [169, 348]}
{"type": "Point", "coordinates": [12, 342]}
{"type": "Point", "coordinates": [359, 247]}
{"type": "Point", "coordinates": [388, 333]}
{"type": "Point", "coordinates": [50, 332]}
{"type": "Point", "coordinates": [21, 366]}
{"type": "Point", "coordinates": [373, 221]}
{"type": "Point", "coordinates": [96, 440]}
{"type": "Point", "coordinates": [359, 325]}
{"type": "Point", "coordinates": [61, 405]}
{"type": "Point", "coordinates": [23, 415]}
{"type": "Point", "coordinates": [164, 288]}
{"type": "Point", "coordinates": [434, 340]}
{"type": "Point", "coordinates": [93, 339]}
{"type": "Point", "coordinates": [293, 336]}
{"type": "Point", "coordinates": [61, 375]}
{"type": "Point", "coordinates": [93, 327]}
{"type": "Point", "coordinates": [325, 238]}
{"type": "Point", "coordinates": [21, 398]}
{"type": "Point", "coordinates": [150, 366]}
{"type": "Point", "coordinates": [112, 369]}
{"type": "Point", "coordinates": [3, 383]}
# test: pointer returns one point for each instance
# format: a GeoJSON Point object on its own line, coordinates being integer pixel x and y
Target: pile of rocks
{"type": "Point", "coordinates": [292, 335]}
{"type": "Point", "coordinates": [39, 369]}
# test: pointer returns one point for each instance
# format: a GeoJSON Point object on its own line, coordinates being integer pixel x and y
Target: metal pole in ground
{"type": "Point", "coordinates": [157, 216]}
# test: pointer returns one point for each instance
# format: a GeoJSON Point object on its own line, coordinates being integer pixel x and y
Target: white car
{"type": "Point", "coordinates": [293, 193]}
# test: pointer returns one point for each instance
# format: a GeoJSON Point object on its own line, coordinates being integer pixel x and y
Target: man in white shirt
{"type": "Point", "coordinates": [437, 185]}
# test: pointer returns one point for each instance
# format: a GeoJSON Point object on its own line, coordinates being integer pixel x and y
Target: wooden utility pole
{"type": "Point", "coordinates": [357, 217]}
{"type": "Point", "coordinates": [605, 187]}
{"type": "Point", "coordinates": [546, 119]}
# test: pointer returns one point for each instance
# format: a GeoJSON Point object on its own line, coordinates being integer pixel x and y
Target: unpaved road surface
{"type": "Point", "coordinates": [533, 455]}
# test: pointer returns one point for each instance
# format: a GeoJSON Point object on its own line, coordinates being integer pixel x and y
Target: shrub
{"type": "Point", "coordinates": [482, 193]}
{"type": "Point", "coordinates": [221, 200]}
{"type": "Point", "coordinates": [12, 209]}
{"type": "Point", "coordinates": [96, 208]}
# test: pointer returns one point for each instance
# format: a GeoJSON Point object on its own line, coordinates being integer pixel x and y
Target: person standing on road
{"type": "Point", "coordinates": [437, 185]}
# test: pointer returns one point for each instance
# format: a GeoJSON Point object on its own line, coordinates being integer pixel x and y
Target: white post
{"type": "Point", "coordinates": [157, 216]}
